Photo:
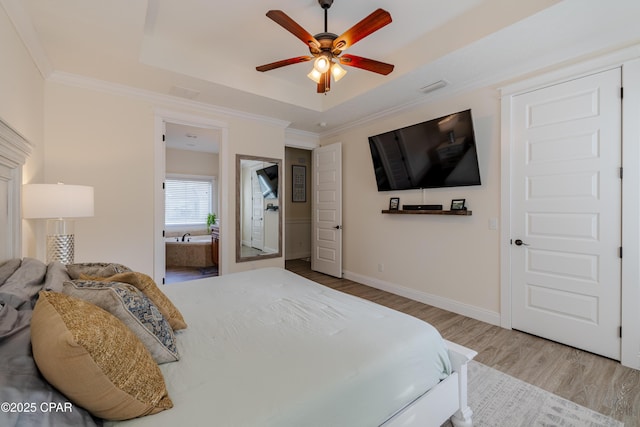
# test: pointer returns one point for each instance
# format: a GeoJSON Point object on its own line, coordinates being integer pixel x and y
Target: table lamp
{"type": "Point", "coordinates": [57, 203]}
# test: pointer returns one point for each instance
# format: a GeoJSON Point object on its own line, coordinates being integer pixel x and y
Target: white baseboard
{"type": "Point", "coordinates": [463, 309]}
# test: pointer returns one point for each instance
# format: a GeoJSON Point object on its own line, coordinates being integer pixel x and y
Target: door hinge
{"type": "Point", "coordinates": [163, 281]}
{"type": "Point", "coordinates": [621, 92]}
{"type": "Point", "coordinates": [163, 185]}
{"type": "Point", "coordinates": [162, 233]}
{"type": "Point", "coordinates": [621, 172]}
{"type": "Point", "coordinates": [163, 137]}
{"type": "Point", "coordinates": [620, 251]}
{"type": "Point", "coordinates": [620, 331]}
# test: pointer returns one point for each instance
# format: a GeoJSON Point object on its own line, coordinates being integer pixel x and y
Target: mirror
{"type": "Point", "coordinates": [258, 202]}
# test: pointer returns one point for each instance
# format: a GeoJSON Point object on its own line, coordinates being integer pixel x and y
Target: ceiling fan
{"type": "Point", "coordinates": [326, 48]}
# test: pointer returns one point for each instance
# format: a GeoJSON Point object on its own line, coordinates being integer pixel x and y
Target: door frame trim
{"type": "Point", "coordinates": [629, 61]}
{"type": "Point", "coordinates": [160, 117]}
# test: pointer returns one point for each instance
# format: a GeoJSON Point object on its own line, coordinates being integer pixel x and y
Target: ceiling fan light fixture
{"type": "Point", "coordinates": [322, 63]}
{"type": "Point", "coordinates": [315, 75]}
{"type": "Point", "coordinates": [325, 48]}
{"type": "Point", "coordinates": [337, 71]}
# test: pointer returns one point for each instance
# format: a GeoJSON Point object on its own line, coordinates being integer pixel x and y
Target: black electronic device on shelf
{"type": "Point", "coordinates": [422, 207]}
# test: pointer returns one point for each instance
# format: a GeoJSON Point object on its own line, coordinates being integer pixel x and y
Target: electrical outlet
{"type": "Point", "coordinates": [493, 223]}
{"type": "Point", "coordinates": [380, 267]}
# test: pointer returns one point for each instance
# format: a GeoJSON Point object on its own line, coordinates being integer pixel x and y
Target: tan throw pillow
{"type": "Point", "coordinates": [148, 287]}
{"type": "Point", "coordinates": [94, 359]}
{"type": "Point", "coordinates": [132, 308]}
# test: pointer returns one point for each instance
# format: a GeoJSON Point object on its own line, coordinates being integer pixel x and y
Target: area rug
{"type": "Point", "coordinates": [500, 400]}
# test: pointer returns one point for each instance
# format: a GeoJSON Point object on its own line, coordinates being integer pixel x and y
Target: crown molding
{"type": "Point", "coordinates": [296, 138]}
{"type": "Point", "coordinates": [156, 98]}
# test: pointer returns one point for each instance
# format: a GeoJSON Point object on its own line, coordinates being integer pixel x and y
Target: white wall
{"type": "Point", "coordinates": [452, 261]}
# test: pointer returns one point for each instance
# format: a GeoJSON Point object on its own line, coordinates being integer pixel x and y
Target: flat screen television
{"type": "Point", "coordinates": [268, 179]}
{"type": "Point", "coordinates": [432, 154]}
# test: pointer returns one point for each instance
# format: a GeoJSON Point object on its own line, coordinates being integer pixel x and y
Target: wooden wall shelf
{"type": "Point", "coordinates": [435, 212]}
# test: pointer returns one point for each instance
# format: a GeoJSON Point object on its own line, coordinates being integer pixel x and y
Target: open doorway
{"type": "Point", "coordinates": [191, 202]}
{"type": "Point", "coordinates": [297, 221]}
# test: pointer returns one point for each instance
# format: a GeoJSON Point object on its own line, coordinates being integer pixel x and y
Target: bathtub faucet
{"type": "Point", "coordinates": [185, 235]}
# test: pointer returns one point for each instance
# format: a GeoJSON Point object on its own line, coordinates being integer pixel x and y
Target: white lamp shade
{"type": "Point", "coordinates": [315, 75]}
{"type": "Point", "coordinates": [337, 71]}
{"type": "Point", "coordinates": [56, 201]}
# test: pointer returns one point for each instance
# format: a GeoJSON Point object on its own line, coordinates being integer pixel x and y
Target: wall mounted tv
{"type": "Point", "coordinates": [268, 178]}
{"type": "Point", "coordinates": [432, 154]}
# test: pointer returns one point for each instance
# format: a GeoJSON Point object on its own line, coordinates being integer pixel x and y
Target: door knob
{"type": "Point", "coordinates": [337, 227]}
{"type": "Point", "coordinates": [519, 242]}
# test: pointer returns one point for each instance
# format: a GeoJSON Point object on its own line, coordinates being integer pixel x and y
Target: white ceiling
{"type": "Point", "coordinates": [207, 50]}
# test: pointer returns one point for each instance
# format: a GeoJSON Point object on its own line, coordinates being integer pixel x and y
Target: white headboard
{"type": "Point", "coordinates": [14, 150]}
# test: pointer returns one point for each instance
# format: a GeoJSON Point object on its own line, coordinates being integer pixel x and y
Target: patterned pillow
{"type": "Point", "coordinates": [95, 269]}
{"type": "Point", "coordinates": [146, 284]}
{"type": "Point", "coordinates": [94, 359]}
{"type": "Point", "coordinates": [134, 309]}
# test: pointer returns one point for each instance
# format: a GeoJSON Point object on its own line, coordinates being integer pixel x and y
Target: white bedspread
{"type": "Point", "coordinates": [270, 348]}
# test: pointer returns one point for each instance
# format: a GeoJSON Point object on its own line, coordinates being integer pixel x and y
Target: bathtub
{"type": "Point", "coordinates": [195, 251]}
{"type": "Point", "coordinates": [188, 239]}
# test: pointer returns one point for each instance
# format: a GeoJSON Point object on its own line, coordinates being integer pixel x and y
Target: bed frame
{"type": "Point", "coordinates": [448, 397]}
{"type": "Point", "coordinates": [446, 400]}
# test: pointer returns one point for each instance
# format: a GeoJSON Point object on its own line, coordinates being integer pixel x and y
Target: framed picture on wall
{"type": "Point", "coordinates": [458, 205]}
{"type": "Point", "coordinates": [298, 183]}
{"type": "Point", "coordinates": [394, 203]}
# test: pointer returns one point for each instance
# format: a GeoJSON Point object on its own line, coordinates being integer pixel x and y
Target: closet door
{"type": "Point", "coordinates": [566, 213]}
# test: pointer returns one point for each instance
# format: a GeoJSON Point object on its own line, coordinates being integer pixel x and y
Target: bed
{"type": "Point", "coordinates": [261, 348]}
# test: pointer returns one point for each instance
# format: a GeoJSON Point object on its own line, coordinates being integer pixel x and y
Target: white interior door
{"type": "Point", "coordinates": [257, 213]}
{"type": "Point", "coordinates": [566, 213]}
{"type": "Point", "coordinates": [326, 207]}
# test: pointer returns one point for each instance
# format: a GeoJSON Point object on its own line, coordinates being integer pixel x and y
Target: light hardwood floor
{"type": "Point", "coordinates": [589, 380]}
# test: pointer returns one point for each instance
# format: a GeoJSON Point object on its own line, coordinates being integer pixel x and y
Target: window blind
{"type": "Point", "coordinates": [187, 201]}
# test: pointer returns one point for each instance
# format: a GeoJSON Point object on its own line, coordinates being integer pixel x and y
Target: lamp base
{"type": "Point", "coordinates": [60, 241]}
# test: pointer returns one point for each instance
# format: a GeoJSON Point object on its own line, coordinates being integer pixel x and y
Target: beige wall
{"type": "Point", "coordinates": [298, 220]}
{"type": "Point", "coordinates": [107, 141]}
{"type": "Point", "coordinates": [192, 162]}
{"type": "Point", "coordinates": [449, 258]}
{"type": "Point", "coordinates": [297, 156]}
{"type": "Point", "coordinates": [21, 107]}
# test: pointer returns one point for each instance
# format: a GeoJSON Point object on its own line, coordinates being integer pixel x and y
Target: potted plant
{"type": "Point", "coordinates": [211, 220]}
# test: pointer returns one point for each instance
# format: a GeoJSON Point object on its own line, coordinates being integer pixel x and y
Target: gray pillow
{"type": "Point", "coordinates": [133, 309]}
{"type": "Point", "coordinates": [95, 269]}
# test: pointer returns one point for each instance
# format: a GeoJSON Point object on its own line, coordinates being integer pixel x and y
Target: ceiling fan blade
{"type": "Point", "coordinates": [294, 28]}
{"type": "Point", "coordinates": [362, 29]}
{"type": "Point", "coordinates": [366, 64]}
{"type": "Point", "coordinates": [284, 62]}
